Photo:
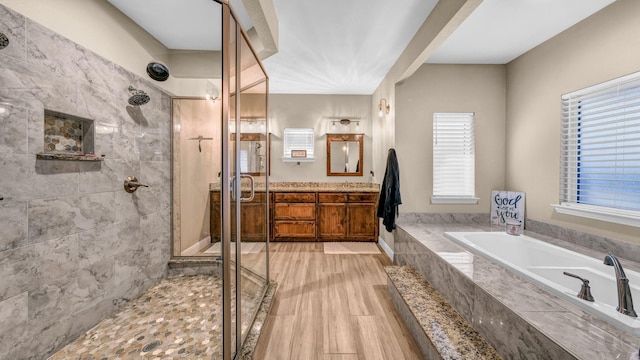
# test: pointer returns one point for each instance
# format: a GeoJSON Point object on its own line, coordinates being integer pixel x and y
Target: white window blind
{"type": "Point", "coordinates": [601, 146]}
{"type": "Point", "coordinates": [298, 139]}
{"type": "Point", "coordinates": [453, 156]}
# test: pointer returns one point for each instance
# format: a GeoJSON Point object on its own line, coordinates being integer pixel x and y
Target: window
{"type": "Point", "coordinates": [298, 144]}
{"type": "Point", "coordinates": [600, 165]}
{"type": "Point", "coordinates": [453, 159]}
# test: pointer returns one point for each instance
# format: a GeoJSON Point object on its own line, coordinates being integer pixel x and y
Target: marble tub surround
{"type": "Point", "coordinates": [448, 335]}
{"type": "Point", "coordinates": [308, 186]}
{"type": "Point", "coordinates": [620, 249]}
{"type": "Point", "coordinates": [74, 246]}
{"type": "Point", "coordinates": [519, 319]}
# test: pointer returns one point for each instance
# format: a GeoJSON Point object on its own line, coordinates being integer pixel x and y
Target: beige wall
{"type": "Point", "coordinates": [316, 111]}
{"type": "Point", "coordinates": [450, 88]}
{"type": "Point", "coordinates": [600, 48]}
{"type": "Point", "coordinates": [192, 118]}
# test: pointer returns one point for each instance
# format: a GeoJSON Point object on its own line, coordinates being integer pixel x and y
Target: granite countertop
{"type": "Point", "coordinates": [449, 333]}
{"type": "Point", "coordinates": [304, 186]}
{"type": "Point", "coordinates": [580, 333]}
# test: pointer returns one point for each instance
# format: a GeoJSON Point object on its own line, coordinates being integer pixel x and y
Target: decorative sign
{"type": "Point", "coordinates": [298, 153]}
{"type": "Point", "coordinates": [507, 207]}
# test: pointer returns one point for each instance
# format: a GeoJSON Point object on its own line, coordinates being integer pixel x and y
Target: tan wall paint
{"type": "Point", "coordinates": [450, 88]}
{"type": "Point", "coordinates": [602, 47]}
{"type": "Point", "coordinates": [194, 118]}
{"type": "Point", "coordinates": [445, 17]}
{"type": "Point", "coordinates": [316, 111]}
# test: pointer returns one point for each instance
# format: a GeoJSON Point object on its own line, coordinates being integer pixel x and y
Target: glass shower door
{"type": "Point", "coordinates": [252, 156]}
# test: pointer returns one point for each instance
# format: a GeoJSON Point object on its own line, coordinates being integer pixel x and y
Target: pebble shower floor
{"type": "Point", "coordinates": [179, 318]}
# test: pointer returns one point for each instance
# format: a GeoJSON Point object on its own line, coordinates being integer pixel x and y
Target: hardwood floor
{"type": "Point", "coordinates": [331, 307]}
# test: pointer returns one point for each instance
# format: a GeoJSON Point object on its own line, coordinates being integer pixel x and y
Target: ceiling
{"type": "Point", "coordinates": [348, 46]}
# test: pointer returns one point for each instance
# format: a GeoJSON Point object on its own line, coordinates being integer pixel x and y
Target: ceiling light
{"type": "Point", "coordinates": [386, 105]}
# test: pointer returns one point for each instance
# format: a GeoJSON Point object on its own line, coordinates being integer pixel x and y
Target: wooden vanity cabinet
{"type": "Point", "coordinates": [253, 225]}
{"type": "Point", "coordinates": [347, 216]}
{"type": "Point", "coordinates": [294, 216]}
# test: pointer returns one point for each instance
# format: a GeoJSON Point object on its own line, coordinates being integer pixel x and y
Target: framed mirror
{"type": "Point", "coordinates": [344, 154]}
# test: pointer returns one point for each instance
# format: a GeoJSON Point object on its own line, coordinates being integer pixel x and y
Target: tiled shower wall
{"type": "Point", "coordinates": [73, 244]}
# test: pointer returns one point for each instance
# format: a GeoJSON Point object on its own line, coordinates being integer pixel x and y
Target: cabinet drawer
{"type": "Point", "coordinates": [294, 229]}
{"type": "Point", "coordinates": [295, 197]}
{"type": "Point", "coordinates": [332, 198]}
{"type": "Point", "coordinates": [303, 211]}
{"type": "Point", "coordinates": [362, 197]}
{"type": "Point", "coordinates": [258, 196]}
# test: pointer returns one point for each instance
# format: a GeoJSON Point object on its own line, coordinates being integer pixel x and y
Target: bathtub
{"type": "Point", "coordinates": [543, 264]}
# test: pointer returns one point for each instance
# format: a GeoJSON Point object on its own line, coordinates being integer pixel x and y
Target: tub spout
{"type": "Point", "coordinates": [625, 302]}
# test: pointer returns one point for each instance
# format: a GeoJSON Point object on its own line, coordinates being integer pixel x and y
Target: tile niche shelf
{"type": "Point", "coordinates": [68, 137]}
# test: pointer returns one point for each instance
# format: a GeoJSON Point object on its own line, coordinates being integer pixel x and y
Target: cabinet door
{"type": "Point", "coordinates": [362, 221]}
{"type": "Point", "coordinates": [332, 221]}
{"type": "Point", "coordinates": [253, 226]}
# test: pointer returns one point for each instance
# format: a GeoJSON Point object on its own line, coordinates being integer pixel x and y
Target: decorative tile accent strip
{"type": "Point", "coordinates": [62, 134]}
{"type": "Point", "coordinates": [67, 134]}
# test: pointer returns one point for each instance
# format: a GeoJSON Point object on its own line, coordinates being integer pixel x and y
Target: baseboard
{"type": "Point", "coordinates": [195, 248]}
{"type": "Point", "coordinates": [385, 247]}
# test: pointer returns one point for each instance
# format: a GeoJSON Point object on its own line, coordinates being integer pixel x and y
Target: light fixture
{"type": "Point", "coordinates": [386, 105]}
{"type": "Point", "coordinates": [345, 122]}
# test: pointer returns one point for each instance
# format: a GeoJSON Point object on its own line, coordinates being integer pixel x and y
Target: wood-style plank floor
{"type": "Point", "coordinates": [331, 307]}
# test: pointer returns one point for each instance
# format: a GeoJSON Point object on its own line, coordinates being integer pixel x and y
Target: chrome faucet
{"type": "Point", "coordinates": [625, 302]}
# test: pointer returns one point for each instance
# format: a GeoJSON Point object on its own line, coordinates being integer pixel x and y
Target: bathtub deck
{"type": "Point", "coordinates": [518, 318]}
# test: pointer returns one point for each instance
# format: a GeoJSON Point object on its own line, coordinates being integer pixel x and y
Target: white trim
{"type": "Point", "coordinates": [385, 247]}
{"type": "Point", "coordinates": [624, 217]}
{"type": "Point", "coordinates": [195, 248]}
{"type": "Point", "coordinates": [456, 200]}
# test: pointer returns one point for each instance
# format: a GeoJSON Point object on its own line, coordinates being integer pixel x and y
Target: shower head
{"type": "Point", "coordinates": [157, 71]}
{"type": "Point", "coordinates": [4, 41]}
{"type": "Point", "coordinates": [138, 97]}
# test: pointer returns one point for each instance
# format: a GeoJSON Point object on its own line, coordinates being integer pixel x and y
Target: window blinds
{"type": "Point", "coordinates": [453, 155]}
{"type": "Point", "coordinates": [600, 162]}
{"type": "Point", "coordinates": [298, 139]}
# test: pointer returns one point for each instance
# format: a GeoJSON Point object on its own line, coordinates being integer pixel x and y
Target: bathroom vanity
{"type": "Point", "coordinates": [307, 211]}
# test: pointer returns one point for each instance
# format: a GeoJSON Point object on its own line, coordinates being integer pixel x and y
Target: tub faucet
{"type": "Point", "coordinates": [625, 302]}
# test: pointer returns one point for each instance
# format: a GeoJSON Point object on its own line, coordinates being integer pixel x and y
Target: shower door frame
{"type": "Point", "coordinates": [228, 15]}
{"type": "Point", "coordinates": [229, 24]}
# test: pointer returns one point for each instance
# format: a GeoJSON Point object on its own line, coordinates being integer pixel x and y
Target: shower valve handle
{"type": "Point", "coordinates": [131, 184]}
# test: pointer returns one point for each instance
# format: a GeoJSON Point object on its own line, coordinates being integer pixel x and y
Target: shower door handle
{"type": "Point", "coordinates": [253, 190]}
{"type": "Point", "coordinates": [233, 188]}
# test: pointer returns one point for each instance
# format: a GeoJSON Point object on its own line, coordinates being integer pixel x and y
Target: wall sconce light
{"type": "Point", "coordinates": [387, 107]}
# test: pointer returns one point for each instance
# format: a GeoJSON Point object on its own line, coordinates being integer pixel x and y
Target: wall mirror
{"type": "Point", "coordinates": [344, 154]}
{"type": "Point", "coordinates": [253, 153]}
